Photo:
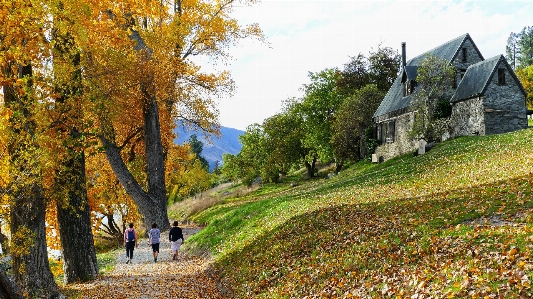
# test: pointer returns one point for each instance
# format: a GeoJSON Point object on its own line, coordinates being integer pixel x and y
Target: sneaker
{"type": "Point", "coordinates": [155, 260]}
{"type": "Point", "coordinates": [128, 261]}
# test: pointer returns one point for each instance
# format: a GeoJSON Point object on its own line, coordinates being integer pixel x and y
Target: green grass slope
{"type": "Point", "coordinates": [453, 223]}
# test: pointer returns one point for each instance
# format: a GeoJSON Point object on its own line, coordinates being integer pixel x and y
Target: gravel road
{"type": "Point", "coordinates": [188, 277]}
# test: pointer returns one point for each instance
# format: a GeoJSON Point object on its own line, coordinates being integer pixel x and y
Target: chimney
{"type": "Point", "coordinates": [404, 63]}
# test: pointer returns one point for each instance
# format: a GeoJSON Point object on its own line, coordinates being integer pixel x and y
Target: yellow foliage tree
{"type": "Point", "coordinates": [525, 75]}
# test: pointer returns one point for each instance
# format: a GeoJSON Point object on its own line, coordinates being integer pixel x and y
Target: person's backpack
{"type": "Point", "coordinates": [131, 235]}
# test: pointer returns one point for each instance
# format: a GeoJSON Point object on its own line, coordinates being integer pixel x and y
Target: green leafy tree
{"type": "Point", "coordinates": [354, 118]}
{"type": "Point", "coordinates": [317, 110]}
{"type": "Point", "coordinates": [253, 155]}
{"type": "Point", "coordinates": [231, 169]}
{"type": "Point", "coordinates": [380, 68]}
{"type": "Point", "coordinates": [431, 98]}
{"type": "Point", "coordinates": [383, 67]}
{"type": "Point", "coordinates": [525, 45]}
{"type": "Point", "coordinates": [283, 138]}
{"type": "Point", "coordinates": [354, 75]}
{"type": "Point", "coordinates": [511, 49]}
{"type": "Point", "coordinates": [519, 48]}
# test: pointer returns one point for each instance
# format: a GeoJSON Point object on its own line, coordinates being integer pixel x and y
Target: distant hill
{"type": "Point", "coordinates": [212, 152]}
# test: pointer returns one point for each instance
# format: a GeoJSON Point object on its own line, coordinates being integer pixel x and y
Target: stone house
{"type": "Point", "coordinates": [486, 98]}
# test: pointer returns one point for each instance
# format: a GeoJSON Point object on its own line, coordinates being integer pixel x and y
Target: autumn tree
{"type": "Point", "coordinates": [186, 174]}
{"type": "Point", "coordinates": [22, 27]}
{"type": "Point", "coordinates": [166, 86]}
{"type": "Point", "coordinates": [111, 207]}
{"type": "Point", "coordinates": [73, 212]}
{"type": "Point", "coordinates": [430, 97]}
{"type": "Point", "coordinates": [525, 75]}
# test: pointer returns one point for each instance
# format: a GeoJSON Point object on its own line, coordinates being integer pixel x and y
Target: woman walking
{"type": "Point", "coordinates": [130, 241]}
{"type": "Point", "coordinates": [174, 235]}
{"type": "Point", "coordinates": [153, 239]}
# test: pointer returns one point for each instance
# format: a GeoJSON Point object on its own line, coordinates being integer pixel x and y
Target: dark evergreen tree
{"type": "Point", "coordinates": [197, 147]}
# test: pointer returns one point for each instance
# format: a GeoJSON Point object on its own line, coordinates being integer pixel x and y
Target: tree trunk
{"type": "Point", "coordinates": [74, 220]}
{"type": "Point", "coordinates": [73, 215]}
{"type": "Point", "coordinates": [155, 164]}
{"type": "Point", "coordinates": [8, 289]}
{"type": "Point", "coordinates": [153, 203]}
{"type": "Point", "coordinates": [153, 209]}
{"type": "Point", "coordinates": [310, 168]}
{"type": "Point", "coordinates": [31, 269]}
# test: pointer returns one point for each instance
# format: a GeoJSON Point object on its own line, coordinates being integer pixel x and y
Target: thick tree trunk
{"type": "Point", "coordinates": [155, 164]}
{"type": "Point", "coordinates": [74, 219]}
{"type": "Point", "coordinates": [153, 209]}
{"type": "Point", "coordinates": [152, 204]}
{"type": "Point", "coordinates": [8, 289]}
{"type": "Point", "coordinates": [73, 215]}
{"type": "Point", "coordinates": [31, 269]}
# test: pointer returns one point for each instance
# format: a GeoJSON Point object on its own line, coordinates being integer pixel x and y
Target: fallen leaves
{"type": "Point", "coordinates": [189, 277]}
{"type": "Point", "coordinates": [454, 223]}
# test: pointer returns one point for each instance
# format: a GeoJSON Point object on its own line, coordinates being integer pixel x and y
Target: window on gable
{"type": "Point", "coordinates": [501, 76]}
{"type": "Point", "coordinates": [464, 54]}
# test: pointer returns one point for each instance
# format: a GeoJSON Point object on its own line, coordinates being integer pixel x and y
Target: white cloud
{"type": "Point", "coordinates": [309, 36]}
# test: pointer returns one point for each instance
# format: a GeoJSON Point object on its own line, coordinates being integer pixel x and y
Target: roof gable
{"type": "Point", "coordinates": [478, 77]}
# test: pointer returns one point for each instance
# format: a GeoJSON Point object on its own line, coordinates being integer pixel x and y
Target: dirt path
{"type": "Point", "coordinates": [189, 277]}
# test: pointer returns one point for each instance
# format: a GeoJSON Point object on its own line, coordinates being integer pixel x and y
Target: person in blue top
{"type": "Point", "coordinates": [130, 242]}
{"type": "Point", "coordinates": [153, 239]}
{"type": "Point", "coordinates": [174, 235]}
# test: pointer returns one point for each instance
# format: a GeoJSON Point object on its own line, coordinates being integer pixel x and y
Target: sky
{"type": "Point", "coordinates": [310, 36]}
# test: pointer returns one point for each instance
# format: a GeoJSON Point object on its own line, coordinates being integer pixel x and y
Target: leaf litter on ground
{"type": "Point", "coordinates": [191, 276]}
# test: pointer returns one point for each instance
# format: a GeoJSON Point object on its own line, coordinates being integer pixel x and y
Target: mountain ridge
{"type": "Point", "coordinates": [213, 147]}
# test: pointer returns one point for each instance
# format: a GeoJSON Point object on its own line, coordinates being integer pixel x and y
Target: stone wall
{"type": "Point", "coordinates": [402, 144]}
{"type": "Point", "coordinates": [467, 118]}
{"type": "Point", "coordinates": [504, 105]}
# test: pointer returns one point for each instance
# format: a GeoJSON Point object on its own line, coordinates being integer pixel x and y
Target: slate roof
{"type": "Point", "coordinates": [394, 99]}
{"type": "Point", "coordinates": [446, 51]}
{"type": "Point", "coordinates": [478, 76]}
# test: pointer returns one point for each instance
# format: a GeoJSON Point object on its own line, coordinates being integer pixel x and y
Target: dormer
{"type": "Point", "coordinates": [409, 79]}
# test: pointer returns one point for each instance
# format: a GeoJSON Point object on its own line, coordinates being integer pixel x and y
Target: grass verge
{"type": "Point", "coordinates": [455, 222]}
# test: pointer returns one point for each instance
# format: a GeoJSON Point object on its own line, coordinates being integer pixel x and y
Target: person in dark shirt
{"type": "Point", "coordinates": [174, 235]}
{"type": "Point", "coordinates": [130, 242]}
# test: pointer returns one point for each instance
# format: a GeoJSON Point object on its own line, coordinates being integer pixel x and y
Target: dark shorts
{"type": "Point", "coordinates": [155, 247]}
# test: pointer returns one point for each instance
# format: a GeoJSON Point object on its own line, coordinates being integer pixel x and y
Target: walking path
{"type": "Point", "coordinates": [188, 277]}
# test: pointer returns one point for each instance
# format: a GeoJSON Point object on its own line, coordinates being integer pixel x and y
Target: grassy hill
{"type": "Point", "coordinates": [453, 223]}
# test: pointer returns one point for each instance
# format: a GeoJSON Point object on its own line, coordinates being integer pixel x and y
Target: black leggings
{"type": "Point", "coordinates": [129, 249]}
